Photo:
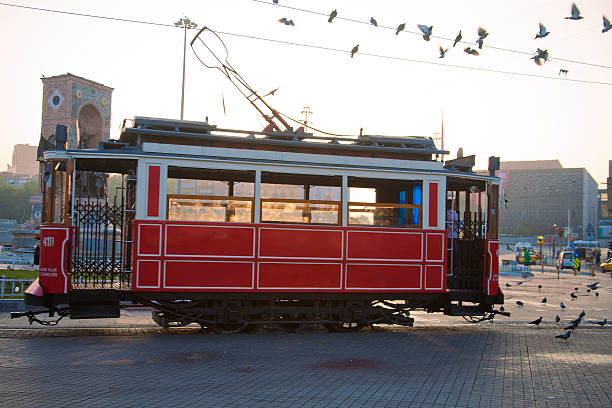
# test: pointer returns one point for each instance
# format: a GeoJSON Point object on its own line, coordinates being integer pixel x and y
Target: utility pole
{"type": "Point", "coordinates": [306, 112]}
{"type": "Point", "coordinates": [184, 23]}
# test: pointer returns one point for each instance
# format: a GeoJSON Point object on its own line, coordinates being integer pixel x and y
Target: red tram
{"type": "Point", "coordinates": [236, 229]}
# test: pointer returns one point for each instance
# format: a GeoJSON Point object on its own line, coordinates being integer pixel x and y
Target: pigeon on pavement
{"type": "Point", "coordinates": [564, 336]}
{"type": "Point", "coordinates": [601, 323]}
{"type": "Point", "coordinates": [537, 321]}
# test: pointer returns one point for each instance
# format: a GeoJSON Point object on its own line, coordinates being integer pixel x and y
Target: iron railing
{"type": "Point", "coordinates": [101, 255]}
{"type": "Point", "coordinates": [13, 288]}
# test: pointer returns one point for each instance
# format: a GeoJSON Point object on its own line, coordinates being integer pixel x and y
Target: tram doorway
{"type": "Point", "coordinates": [468, 206]}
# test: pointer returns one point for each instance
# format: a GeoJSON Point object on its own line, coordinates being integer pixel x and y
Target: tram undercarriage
{"type": "Point", "coordinates": [233, 313]}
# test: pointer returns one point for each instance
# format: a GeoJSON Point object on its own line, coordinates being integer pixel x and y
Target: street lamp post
{"type": "Point", "coordinates": [185, 23]}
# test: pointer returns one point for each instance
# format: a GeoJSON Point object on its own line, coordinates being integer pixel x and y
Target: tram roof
{"type": "Point", "coordinates": [181, 132]}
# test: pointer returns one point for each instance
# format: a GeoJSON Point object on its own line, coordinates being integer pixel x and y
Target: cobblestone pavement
{"type": "Point", "coordinates": [443, 361]}
{"type": "Point", "coordinates": [469, 366]}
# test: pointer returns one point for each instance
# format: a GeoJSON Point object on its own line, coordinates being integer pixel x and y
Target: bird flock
{"type": "Point", "coordinates": [593, 287]}
{"type": "Point", "coordinates": [539, 58]}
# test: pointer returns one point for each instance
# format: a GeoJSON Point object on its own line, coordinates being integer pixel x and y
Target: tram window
{"type": "Point", "coordinates": [385, 203]}
{"type": "Point", "coordinates": [210, 195]}
{"type": "Point", "coordinates": [303, 199]}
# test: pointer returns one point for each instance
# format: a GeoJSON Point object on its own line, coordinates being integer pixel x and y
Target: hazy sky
{"type": "Point", "coordinates": [487, 113]}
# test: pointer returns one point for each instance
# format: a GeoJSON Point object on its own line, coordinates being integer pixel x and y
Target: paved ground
{"type": "Point", "coordinates": [443, 361]}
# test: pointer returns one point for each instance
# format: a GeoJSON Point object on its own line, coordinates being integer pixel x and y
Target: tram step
{"type": "Point", "coordinates": [94, 310]}
{"type": "Point", "coordinates": [457, 310]}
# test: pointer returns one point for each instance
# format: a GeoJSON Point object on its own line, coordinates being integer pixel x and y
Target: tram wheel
{"type": "Point", "coordinates": [345, 327]}
{"type": "Point", "coordinates": [227, 328]}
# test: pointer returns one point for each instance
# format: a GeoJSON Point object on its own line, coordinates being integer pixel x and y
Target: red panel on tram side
{"type": "Point", "coordinates": [395, 246]}
{"type": "Point", "coordinates": [287, 242]}
{"type": "Point", "coordinates": [277, 275]}
{"type": "Point", "coordinates": [148, 274]}
{"type": "Point", "coordinates": [433, 204]}
{"type": "Point", "coordinates": [434, 249]}
{"type": "Point", "coordinates": [383, 277]}
{"type": "Point", "coordinates": [153, 191]}
{"type": "Point", "coordinates": [149, 239]}
{"type": "Point", "coordinates": [434, 277]}
{"type": "Point", "coordinates": [209, 240]}
{"type": "Point", "coordinates": [54, 271]}
{"type": "Point", "coordinates": [185, 274]}
{"type": "Point", "coordinates": [492, 265]}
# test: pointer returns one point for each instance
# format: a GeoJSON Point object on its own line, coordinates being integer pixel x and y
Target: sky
{"type": "Point", "coordinates": [498, 103]}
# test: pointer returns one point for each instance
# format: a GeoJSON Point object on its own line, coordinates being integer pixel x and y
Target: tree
{"type": "Point", "coordinates": [14, 200]}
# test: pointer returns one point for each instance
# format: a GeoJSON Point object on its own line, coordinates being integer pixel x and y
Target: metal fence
{"type": "Point", "coordinates": [13, 288]}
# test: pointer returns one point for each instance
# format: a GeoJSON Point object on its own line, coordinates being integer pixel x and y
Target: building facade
{"type": "Point", "coordinates": [540, 197]}
{"type": "Point", "coordinates": [24, 161]}
{"type": "Point", "coordinates": [84, 106]}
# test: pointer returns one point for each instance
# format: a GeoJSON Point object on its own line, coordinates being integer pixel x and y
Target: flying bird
{"type": "Point", "coordinates": [575, 289]}
{"type": "Point", "coordinates": [272, 92]}
{"type": "Point", "coordinates": [518, 302]}
{"type": "Point", "coordinates": [557, 319]}
{"type": "Point", "coordinates": [400, 28]}
{"type": "Point", "coordinates": [588, 290]}
{"type": "Point", "coordinates": [563, 71]}
{"type": "Point", "coordinates": [442, 52]}
{"type": "Point", "coordinates": [544, 300]}
{"type": "Point", "coordinates": [286, 22]}
{"type": "Point", "coordinates": [575, 13]}
{"type": "Point", "coordinates": [275, 1]}
{"type": "Point", "coordinates": [354, 50]}
{"type": "Point", "coordinates": [471, 51]}
{"type": "Point", "coordinates": [332, 15]}
{"type": "Point", "coordinates": [482, 34]}
{"type": "Point", "coordinates": [425, 30]}
{"type": "Point", "coordinates": [508, 285]}
{"type": "Point", "coordinates": [562, 306]}
{"type": "Point", "coordinates": [458, 38]}
{"type": "Point", "coordinates": [607, 25]}
{"type": "Point", "coordinates": [543, 33]}
{"type": "Point", "coordinates": [601, 323]}
{"type": "Point", "coordinates": [520, 282]}
{"type": "Point", "coordinates": [537, 321]}
{"type": "Point", "coordinates": [573, 296]}
{"type": "Point", "coordinates": [541, 55]}
{"type": "Point", "coordinates": [593, 285]}
{"type": "Point", "coordinates": [373, 22]}
{"type": "Point", "coordinates": [564, 336]}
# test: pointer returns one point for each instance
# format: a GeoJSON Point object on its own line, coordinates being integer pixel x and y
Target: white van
{"type": "Point", "coordinates": [566, 260]}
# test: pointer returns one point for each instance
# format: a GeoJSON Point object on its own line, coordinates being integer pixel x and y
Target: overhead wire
{"type": "Point", "coordinates": [352, 20]}
{"type": "Point", "coordinates": [319, 46]}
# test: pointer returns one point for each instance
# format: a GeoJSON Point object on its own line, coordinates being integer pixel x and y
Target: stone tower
{"type": "Point", "coordinates": [82, 105]}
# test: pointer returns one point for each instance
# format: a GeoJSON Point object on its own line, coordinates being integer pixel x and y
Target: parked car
{"type": "Point", "coordinates": [607, 266]}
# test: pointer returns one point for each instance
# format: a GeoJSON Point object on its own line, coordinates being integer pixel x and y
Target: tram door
{"type": "Point", "coordinates": [466, 223]}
